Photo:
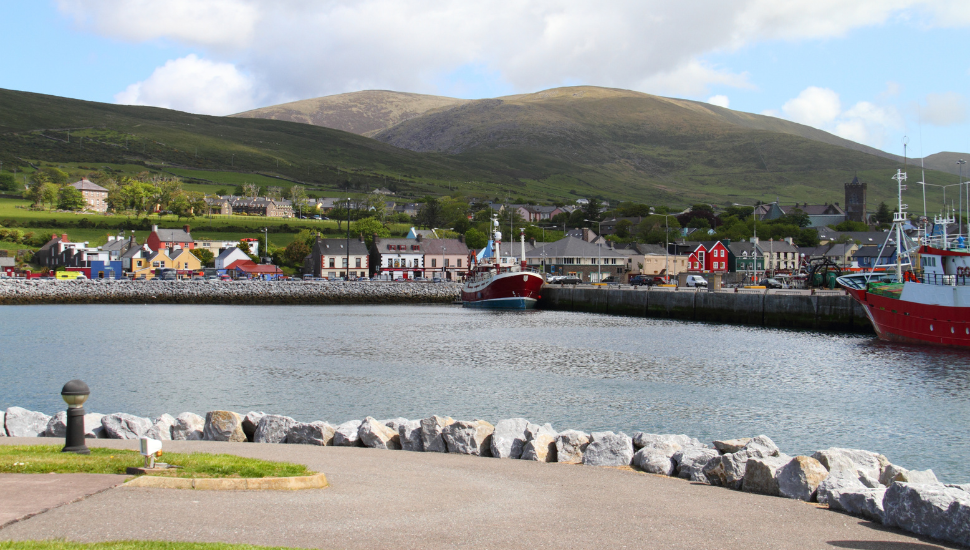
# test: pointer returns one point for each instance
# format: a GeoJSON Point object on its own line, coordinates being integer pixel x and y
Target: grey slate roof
{"type": "Point", "coordinates": [446, 246]}
{"type": "Point", "coordinates": [173, 236]}
{"type": "Point", "coordinates": [338, 247]}
{"type": "Point", "coordinates": [866, 238]}
{"type": "Point", "coordinates": [571, 247]}
{"type": "Point", "coordinates": [85, 185]}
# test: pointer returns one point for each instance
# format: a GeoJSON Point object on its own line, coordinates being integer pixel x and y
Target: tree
{"type": "Point", "coordinates": [430, 215]}
{"type": "Point", "coordinates": [368, 227]}
{"type": "Point", "coordinates": [274, 192]}
{"type": "Point", "coordinates": [205, 256]}
{"type": "Point", "coordinates": [295, 252]}
{"type": "Point", "coordinates": [591, 210]}
{"type": "Point", "coordinates": [796, 217]}
{"type": "Point", "coordinates": [250, 190]}
{"type": "Point", "coordinates": [883, 215]}
{"type": "Point", "coordinates": [47, 193]}
{"type": "Point", "coordinates": [475, 239]}
{"type": "Point", "coordinates": [49, 175]}
{"type": "Point", "coordinates": [69, 198]}
{"type": "Point", "coordinates": [7, 183]}
{"type": "Point", "coordinates": [299, 198]}
{"type": "Point", "coordinates": [623, 229]}
{"type": "Point", "coordinates": [849, 225]}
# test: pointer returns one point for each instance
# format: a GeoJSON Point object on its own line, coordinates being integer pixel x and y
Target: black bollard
{"type": "Point", "coordinates": [75, 393]}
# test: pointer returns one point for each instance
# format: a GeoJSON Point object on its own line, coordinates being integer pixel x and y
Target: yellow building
{"type": "Point", "coordinates": [144, 268]}
{"type": "Point", "coordinates": [184, 260]}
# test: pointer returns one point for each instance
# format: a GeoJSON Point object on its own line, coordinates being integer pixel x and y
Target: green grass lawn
{"type": "Point", "coordinates": [45, 459]}
{"type": "Point", "coordinates": [128, 545]}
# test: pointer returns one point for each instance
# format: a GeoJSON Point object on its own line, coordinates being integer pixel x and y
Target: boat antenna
{"type": "Point", "coordinates": [922, 165]}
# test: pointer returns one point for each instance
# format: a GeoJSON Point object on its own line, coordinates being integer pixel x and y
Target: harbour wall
{"type": "Point", "coordinates": [34, 291]}
{"type": "Point", "coordinates": [829, 312]}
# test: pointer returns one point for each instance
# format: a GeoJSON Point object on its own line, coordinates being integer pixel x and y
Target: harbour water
{"type": "Point", "coordinates": [805, 390]}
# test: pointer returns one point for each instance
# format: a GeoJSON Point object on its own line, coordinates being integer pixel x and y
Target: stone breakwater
{"type": "Point", "coordinates": [27, 292]}
{"type": "Point", "coordinates": [854, 481]}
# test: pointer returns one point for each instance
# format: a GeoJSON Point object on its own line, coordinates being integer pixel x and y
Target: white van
{"type": "Point", "coordinates": [696, 281]}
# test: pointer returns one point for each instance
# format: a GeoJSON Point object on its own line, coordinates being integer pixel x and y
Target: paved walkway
{"type": "Point", "coordinates": [398, 499]}
{"type": "Point", "coordinates": [26, 495]}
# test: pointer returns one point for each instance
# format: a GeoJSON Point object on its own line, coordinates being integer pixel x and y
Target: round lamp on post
{"type": "Point", "coordinates": [75, 393]}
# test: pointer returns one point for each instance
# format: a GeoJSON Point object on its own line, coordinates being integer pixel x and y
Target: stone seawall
{"type": "Point", "coordinates": [838, 313]}
{"type": "Point", "coordinates": [27, 292]}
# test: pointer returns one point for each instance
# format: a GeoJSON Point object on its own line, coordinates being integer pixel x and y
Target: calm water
{"type": "Point", "coordinates": [590, 372]}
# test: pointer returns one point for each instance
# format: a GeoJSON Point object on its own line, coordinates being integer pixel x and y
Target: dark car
{"type": "Point", "coordinates": [567, 280]}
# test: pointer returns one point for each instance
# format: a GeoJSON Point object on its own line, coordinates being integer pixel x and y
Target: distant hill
{"type": "Point", "coordinates": [945, 162]}
{"type": "Point", "coordinates": [364, 113]}
{"type": "Point", "coordinates": [560, 144]}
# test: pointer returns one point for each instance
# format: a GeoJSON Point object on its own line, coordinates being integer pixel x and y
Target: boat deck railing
{"type": "Point", "coordinates": [944, 280]}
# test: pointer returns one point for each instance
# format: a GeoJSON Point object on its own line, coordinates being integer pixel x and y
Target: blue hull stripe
{"type": "Point", "coordinates": [503, 303]}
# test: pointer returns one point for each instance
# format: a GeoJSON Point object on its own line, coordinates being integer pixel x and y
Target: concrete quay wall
{"type": "Point", "coordinates": [838, 313]}
{"type": "Point", "coordinates": [27, 292]}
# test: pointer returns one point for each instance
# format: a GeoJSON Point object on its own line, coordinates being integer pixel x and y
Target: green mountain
{"type": "Point", "coordinates": [559, 144]}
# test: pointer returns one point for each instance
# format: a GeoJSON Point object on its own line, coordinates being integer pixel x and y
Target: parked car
{"type": "Point", "coordinates": [437, 280]}
{"type": "Point", "coordinates": [771, 282]}
{"type": "Point", "coordinates": [317, 217]}
{"type": "Point", "coordinates": [567, 280]}
{"type": "Point", "coordinates": [696, 281]}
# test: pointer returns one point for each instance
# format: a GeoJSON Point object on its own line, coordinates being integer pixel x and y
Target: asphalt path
{"type": "Point", "coordinates": [399, 499]}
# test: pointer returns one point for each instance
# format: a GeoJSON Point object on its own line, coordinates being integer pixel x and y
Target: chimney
{"type": "Point", "coordinates": [420, 238]}
{"type": "Point", "coordinates": [532, 241]}
{"type": "Point", "coordinates": [186, 228]}
{"type": "Point", "coordinates": [461, 239]}
{"type": "Point", "coordinates": [154, 228]}
{"type": "Point", "coordinates": [64, 237]}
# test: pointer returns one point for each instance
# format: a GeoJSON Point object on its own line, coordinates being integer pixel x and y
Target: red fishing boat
{"type": "Point", "coordinates": [500, 283]}
{"type": "Point", "coordinates": [924, 297]}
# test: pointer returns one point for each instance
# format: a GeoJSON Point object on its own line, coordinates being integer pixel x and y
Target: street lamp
{"type": "Point", "coordinates": [75, 393]}
{"type": "Point", "coordinates": [754, 245]}
{"type": "Point", "coordinates": [348, 240]}
{"type": "Point", "coordinates": [599, 251]}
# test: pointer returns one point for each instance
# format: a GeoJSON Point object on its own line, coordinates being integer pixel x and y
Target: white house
{"type": "Point", "coordinates": [393, 258]}
{"type": "Point", "coordinates": [228, 256]}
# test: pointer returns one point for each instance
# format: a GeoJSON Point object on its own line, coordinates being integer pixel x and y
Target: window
{"type": "Point", "coordinates": [333, 262]}
{"type": "Point", "coordinates": [358, 262]}
{"type": "Point", "coordinates": [343, 262]}
{"type": "Point", "coordinates": [434, 262]}
{"type": "Point", "coordinates": [447, 262]}
{"type": "Point", "coordinates": [459, 262]}
{"type": "Point", "coordinates": [155, 264]}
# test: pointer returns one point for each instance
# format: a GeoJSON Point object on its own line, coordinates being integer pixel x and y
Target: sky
{"type": "Point", "coordinates": [872, 71]}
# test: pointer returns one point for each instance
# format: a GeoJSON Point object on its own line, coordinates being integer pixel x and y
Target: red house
{"type": "Point", "coordinates": [170, 238]}
{"type": "Point", "coordinates": [709, 257]}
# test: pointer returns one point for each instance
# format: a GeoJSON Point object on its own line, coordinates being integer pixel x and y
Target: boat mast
{"type": "Point", "coordinates": [522, 238]}
{"type": "Point", "coordinates": [898, 218]}
{"type": "Point", "coordinates": [496, 243]}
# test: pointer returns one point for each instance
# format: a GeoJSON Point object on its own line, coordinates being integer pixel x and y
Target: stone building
{"type": "Point", "coordinates": [855, 201]}
{"type": "Point", "coordinates": [95, 195]}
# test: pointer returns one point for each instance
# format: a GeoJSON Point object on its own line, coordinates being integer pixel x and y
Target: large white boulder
{"type": "Point", "coordinates": [799, 478]}
{"type": "Point", "coordinates": [346, 434]}
{"type": "Point", "coordinates": [570, 446]}
{"type": "Point", "coordinates": [272, 428]}
{"type": "Point", "coordinates": [20, 422]}
{"type": "Point", "coordinates": [188, 427]}
{"type": "Point", "coordinates": [223, 426]}
{"type": "Point", "coordinates": [867, 462]}
{"type": "Point", "coordinates": [377, 435]}
{"type": "Point", "coordinates": [161, 428]}
{"type": "Point", "coordinates": [681, 441]}
{"type": "Point", "coordinates": [837, 482]}
{"type": "Point", "coordinates": [57, 425]}
{"type": "Point", "coordinates": [761, 474]}
{"type": "Point", "coordinates": [93, 429]}
{"type": "Point", "coordinates": [469, 437]}
{"type": "Point", "coordinates": [3, 423]}
{"type": "Point", "coordinates": [608, 449]}
{"type": "Point", "coordinates": [409, 434]}
{"type": "Point", "coordinates": [540, 445]}
{"type": "Point", "coordinates": [691, 461]}
{"type": "Point", "coordinates": [509, 438]}
{"type": "Point", "coordinates": [310, 433]}
{"type": "Point", "coordinates": [125, 426]}
{"type": "Point", "coordinates": [933, 510]}
{"type": "Point", "coordinates": [431, 430]}
{"type": "Point", "coordinates": [250, 423]}
{"type": "Point", "coordinates": [728, 446]}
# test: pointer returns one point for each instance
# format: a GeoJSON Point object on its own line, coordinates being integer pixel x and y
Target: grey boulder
{"type": "Point", "coordinates": [837, 482]}
{"type": "Point", "coordinates": [250, 423]}
{"type": "Point", "coordinates": [799, 478]}
{"type": "Point", "coordinates": [896, 474]}
{"type": "Point", "coordinates": [509, 438]}
{"type": "Point", "coordinates": [680, 441]}
{"type": "Point", "coordinates": [346, 434]}
{"type": "Point", "coordinates": [3, 424]}
{"type": "Point", "coordinates": [867, 502]}
{"type": "Point", "coordinates": [762, 444]}
{"type": "Point", "coordinates": [691, 461]}
{"type": "Point", "coordinates": [57, 425]}
{"type": "Point", "coordinates": [540, 445]}
{"type": "Point", "coordinates": [272, 428]}
{"type": "Point", "coordinates": [932, 510]}
{"type": "Point", "coordinates": [93, 429]}
{"type": "Point", "coordinates": [377, 435]}
{"type": "Point", "coordinates": [431, 433]}
{"type": "Point", "coordinates": [409, 434]}
{"type": "Point", "coordinates": [188, 427]}
{"type": "Point", "coordinates": [125, 426]}
{"type": "Point", "coordinates": [867, 462]}
{"type": "Point", "coordinates": [570, 446]}
{"type": "Point", "coordinates": [469, 437]}
{"type": "Point", "coordinates": [727, 446]}
{"type": "Point", "coordinates": [223, 426]}
{"type": "Point", "coordinates": [161, 428]}
{"type": "Point", "coordinates": [654, 461]}
{"type": "Point", "coordinates": [761, 474]}
{"type": "Point", "coordinates": [394, 423]}
{"type": "Point", "coordinates": [608, 449]}
{"type": "Point", "coordinates": [310, 433]}
{"type": "Point", "coordinates": [20, 422]}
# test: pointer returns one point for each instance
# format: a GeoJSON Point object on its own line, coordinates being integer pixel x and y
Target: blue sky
{"type": "Point", "coordinates": [868, 70]}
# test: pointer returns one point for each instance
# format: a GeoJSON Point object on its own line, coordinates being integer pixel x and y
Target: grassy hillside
{"type": "Point", "coordinates": [555, 145]}
{"type": "Point", "coordinates": [364, 113]}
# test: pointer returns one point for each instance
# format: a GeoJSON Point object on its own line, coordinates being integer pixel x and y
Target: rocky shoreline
{"type": "Point", "coordinates": [34, 291]}
{"type": "Point", "coordinates": [857, 482]}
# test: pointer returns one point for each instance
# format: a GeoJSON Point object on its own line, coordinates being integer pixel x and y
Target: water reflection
{"type": "Point", "coordinates": [806, 390]}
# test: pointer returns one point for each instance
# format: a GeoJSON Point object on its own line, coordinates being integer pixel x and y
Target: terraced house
{"type": "Point", "coordinates": [262, 206]}
{"type": "Point", "coordinates": [329, 258]}
{"type": "Point", "coordinates": [95, 195]}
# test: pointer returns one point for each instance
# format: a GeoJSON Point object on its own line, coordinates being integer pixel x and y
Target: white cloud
{"type": "Point", "coordinates": [194, 85]}
{"type": "Point", "coordinates": [719, 100]}
{"type": "Point", "coordinates": [945, 109]}
{"type": "Point", "coordinates": [865, 122]}
{"type": "Point", "coordinates": [814, 107]}
{"type": "Point", "coordinates": [305, 48]}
